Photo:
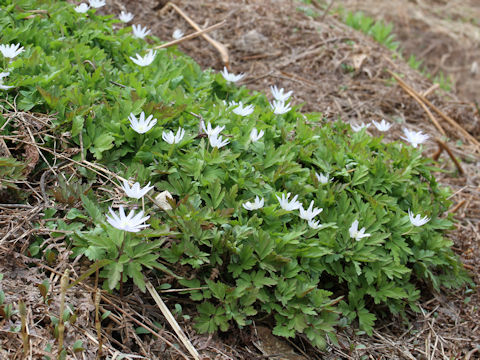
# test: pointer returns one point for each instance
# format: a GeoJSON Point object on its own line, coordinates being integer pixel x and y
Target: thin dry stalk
{"type": "Point", "coordinates": [61, 325]}
{"type": "Point", "coordinates": [98, 324]}
{"type": "Point", "coordinates": [191, 36]}
{"type": "Point", "coordinates": [449, 152]}
{"type": "Point", "coordinates": [173, 323]}
{"type": "Point", "coordinates": [23, 318]}
{"type": "Point", "coordinates": [222, 49]}
{"type": "Point", "coordinates": [416, 97]}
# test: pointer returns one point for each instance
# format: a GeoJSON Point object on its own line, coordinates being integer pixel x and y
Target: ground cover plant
{"type": "Point", "coordinates": [226, 231]}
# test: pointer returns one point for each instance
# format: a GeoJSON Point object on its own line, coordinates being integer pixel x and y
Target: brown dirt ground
{"type": "Point", "coordinates": [331, 69]}
{"type": "Point", "coordinates": [445, 35]}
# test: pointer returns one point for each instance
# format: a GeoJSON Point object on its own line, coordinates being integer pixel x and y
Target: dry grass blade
{"type": "Point", "coordinates": [191, 36]}
{"type": "Point", "coordinates": [168, 315]}
{"type": "Point", "coordinates": [222, 49]}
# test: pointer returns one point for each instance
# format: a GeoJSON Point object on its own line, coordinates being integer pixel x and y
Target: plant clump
{"type": "Point", "coordinates": [267, 212]}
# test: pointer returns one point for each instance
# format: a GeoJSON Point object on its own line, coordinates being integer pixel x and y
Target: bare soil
{"type": "Point", "coordinates": [334, 70]}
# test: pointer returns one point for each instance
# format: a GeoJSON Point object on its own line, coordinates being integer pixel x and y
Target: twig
{"type": "Point", "coordinates": [442, 115]}
{"type": "Point", "coordinates": [456, 207]}
{"type": "Point", "coordinates": [416, 97]}
{"type": "Point", "coordinates": [191, 36]}
{"type": "Point", "coordinates": [449, 152]}
{"type": "Point", "coordinates": [168, 315]}
{"type": "Point", "coordinates": [325, 13]}
{"type": "Point", "coordinates": [219, 46]}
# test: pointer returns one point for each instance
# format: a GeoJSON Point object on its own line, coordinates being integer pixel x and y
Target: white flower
{"type": "Point", "coordinates": [135, 191]}
{"type": "Point", "coordinates": [177, 34]}
{"type": "Point", "coordinates": [217, 141]}
{"type": "Point", "coordinates": [383, 125]}
{"type": "Point", "coordinates": [355, 234]}
{"type": "Point", "coordinates": [82, 8]}
{"type": "Point", "coordinates": [289, 205]}
{"type": "Point", "coordinates": [11, 51]}
{"type": "Point", "coordinates": [130, 223]}
{"type": "Point", "coordinates": [280, 107]}
{"type": "Point", "coordinates": [243, 110]}
{"type": "Point", "coordinates": [257, 204]}
{"type": "Point", "coordinates": [315, 224]}
{"type": "Point", "coordinates": [146, 60]}
{"type": "Point", "coordinates": [417, 220]}
{"type": "Point", "coordinates": [96, 3]}
{"type": "Point", "coordinates": [279, 95]}
{"type": "Point", "coordinates": [140, 32]}
{"type": "Point", "coordinates": [125, 17]}
{"type": "Point", "coordinates": [414, 137]}
{"type": "Point", "coordinates": [209, 130]}
{"type": "Point", "coordinates": [357, 128]}
{"type": "Point", "coordinates": [230, 76]}
{"type": "Point", "coordinates": [173, 139]}
{"type": "Point", "coordinates": [255, 135]}
{"type": "Point", "coordinates": [322, 179]}
{"type": "Point", "coordinates": [162, 200]}
{"type": "Point", "coordinates": [310, 213]}
{"type": "Point", "coordinates": [4, 87]}
{"type": "Point", "coordinates": [232, 103]}
{"type": "Point", "coordinates": [141, 125]}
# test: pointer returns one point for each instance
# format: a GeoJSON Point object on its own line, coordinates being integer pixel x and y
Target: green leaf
{"type": "Point", "coordinates": [101, 143]}
{"type": "Point", "coordinates": [92, 209]}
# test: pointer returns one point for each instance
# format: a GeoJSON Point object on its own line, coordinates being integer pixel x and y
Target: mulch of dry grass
{"type": "Point", "coordinates": [331, 69]}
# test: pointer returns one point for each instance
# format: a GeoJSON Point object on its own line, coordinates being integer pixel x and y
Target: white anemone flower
{"type": "Point", "coordinates": [232, 103]}
{"type": "Point", "coordinates": [322, 179]}
{"type": "Point", "coordinates": [255, 135]}
{"type": "Point", "coordinates": [130, 223]}
{"type": "Point", "coordinates": [257, 204]}
{"type": "Point", "coordinates": [289, 205]}
{"type": "Point", "coordinates": [96, 3]}
{"type": "Point", "coordinates": [82, 8]}
{"type": "Point", "coordinates": [140, 32]}
{"type": "Point", "coordinates": [4, 87]}
{"type": "Point", "coordinates": [355, 233]}
{"type": "Point", "coordinates": [173, 139]}
{"type": "Point", "coordinates": [11, 51]}
{"type": "Point", "coordinates": [146, 60]}
{"type": "Point", "coordinates": [382, 125]}
{"type": "Point", "coordinates": [125, 17]}
{"type": "Point", "coordinates": [141, 125]}
{"type": "Point", "coordinates": [243, 110]}
{"type": "Point", "coordinates": [209, 130]}
{"type": "Point", "coordinates": [231, 76]}
{"type": "Point", "coordinates": [177, 34]}
{"type": "Point", "coordinates": [357, 128]}
{"type": "Point", "coordinates": [280, 107]}
{"type": "Point", "coordinates": [315, 224]}
{"type": "Point", "coordinates": [135, 191]}
{"type": "Point", "coordinates": [414, 137]}
{"type": "Point", "coordinates": [279, 95]}
{"type": "Point", "coordinates": [310, 213]}
{"type": "Point", "coordinates": [217, 141]}
{"type": "Point", "coordinates": [417, 220]}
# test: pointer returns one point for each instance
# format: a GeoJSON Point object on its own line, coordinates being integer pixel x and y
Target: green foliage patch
{"type": "Point", "coordinates": [267, 263]}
